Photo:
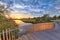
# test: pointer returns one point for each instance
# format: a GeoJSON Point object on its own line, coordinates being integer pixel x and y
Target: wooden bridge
{"type": "Point", "coordinates": [34, 33]}
{"type": "Point", "coordinates": [9, 34]}
{"type": "Point", "coordinates": [49, 34]}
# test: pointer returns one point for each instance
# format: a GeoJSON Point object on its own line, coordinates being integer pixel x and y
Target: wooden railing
{"type": "Point", "coordinates": [42, 26]}
{"type": "Point", "coordinates": [9, 34]}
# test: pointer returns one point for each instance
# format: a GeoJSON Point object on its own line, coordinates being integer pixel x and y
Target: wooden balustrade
{"type": "Point", "coordinates": [7, 34]}
{"type": "Point", "coordinates": [42, 26]}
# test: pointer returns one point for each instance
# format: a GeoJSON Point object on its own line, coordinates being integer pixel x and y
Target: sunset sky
{"type": "Point", "coordinates": [36, 7]}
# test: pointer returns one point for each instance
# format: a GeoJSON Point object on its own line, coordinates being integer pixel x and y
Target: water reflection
{"type": "Point", "coordinates": [18, 22]}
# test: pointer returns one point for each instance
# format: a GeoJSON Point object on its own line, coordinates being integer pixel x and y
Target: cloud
{"type": "Point", "coordinates": [26, 0]}
{"type": "Point", "coordinates": [58, 8]}
{"type": "Point", "coordinates": [34, 10]}
{"type": "Point", "coordinates": [2, 3]}
{"type": "Point", "coordinates": [19, 6]}
{"type": "Point", "coordinates": [35, 6]}
{"type": "Point", "coordinates": [17, 15]}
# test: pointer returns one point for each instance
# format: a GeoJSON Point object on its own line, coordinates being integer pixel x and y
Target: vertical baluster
{"type": "Point", "coordinates": [0, 37]}
{"type": "Point", "coordinates": [15, 34]}
{"type": "Point", "coordinates": [9, 35]}
{"type": "Point", "coordinates": [6, 34]}
{"type": "Point", "coordinates": [3, 35]}
{"type": "Point", "coordinates": [13, 37]}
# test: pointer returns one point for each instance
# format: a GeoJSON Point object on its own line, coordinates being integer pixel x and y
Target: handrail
{"type": "Point", "coordinates": [9, 34]}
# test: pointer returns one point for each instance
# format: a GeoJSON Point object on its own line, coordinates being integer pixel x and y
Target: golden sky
{"type": "Point", "coordinates": [18, 15]}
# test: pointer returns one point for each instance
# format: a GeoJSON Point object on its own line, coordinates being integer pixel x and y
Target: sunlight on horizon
{"type": "Point", "coordinates": [18, 21]}
{"type": "Point", "coordinates": [19, 16]}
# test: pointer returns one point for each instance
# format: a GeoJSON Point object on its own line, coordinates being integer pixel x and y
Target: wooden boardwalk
{"type": "Point", "coordinates": [49, 34]}
{"type": "Point", "coordinates": [52, 34]}
{"type": "Point", "coordinates": [42, 35]}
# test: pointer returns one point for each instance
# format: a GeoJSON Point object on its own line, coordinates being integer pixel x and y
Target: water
{"type": "Point", "coordinates": [24, 28]}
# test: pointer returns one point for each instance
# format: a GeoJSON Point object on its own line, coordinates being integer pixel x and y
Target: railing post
{"type": "Point", "coordinates": [13, 36]}
{"type": "Point", "coordinates": [3, 35]}
{"type": "Point", "coordinates": [6, 34]}
{"type": "Point", "coordinates": [0, 37]}
{"type": "Point", "coordinates": [9, 35]}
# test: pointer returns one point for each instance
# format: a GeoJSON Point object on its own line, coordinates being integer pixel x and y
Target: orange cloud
{"type": "Point", "coordinates": [19, 15]}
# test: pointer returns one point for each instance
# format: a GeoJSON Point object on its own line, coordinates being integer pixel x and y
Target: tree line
{"type": "Point", "coordinates": [42, 19]}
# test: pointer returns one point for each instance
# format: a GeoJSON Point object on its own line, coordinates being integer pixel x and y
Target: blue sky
{"type": "Point", "coordinates": [37, 7]}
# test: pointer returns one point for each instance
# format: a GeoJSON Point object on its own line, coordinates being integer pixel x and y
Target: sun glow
{"type": "Point", "coordinates": [18, 21]}
{"type": "Point", "coordinates": [18, 15]}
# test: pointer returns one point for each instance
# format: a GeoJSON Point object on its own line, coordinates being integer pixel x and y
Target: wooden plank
{"type": "Point", "coordinates": [9, 35]}
{"type": "Point", "coordinates": [0, 37]}
{"type": "Point", "coordinates": [3, 35]}
{"type": "Point", "coordinates": [6, 34]}
{"type": "Point", "coordinates": [42, 26]}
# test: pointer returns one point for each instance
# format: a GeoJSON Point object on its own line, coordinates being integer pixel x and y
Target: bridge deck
{"type": "Point", "coordinates": [53, 34]}
{"type": "Point", "coordinates": [42, 35]}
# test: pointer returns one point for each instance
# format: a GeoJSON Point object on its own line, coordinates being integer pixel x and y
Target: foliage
{"type": "Point", "coordinates": [44, 18]}
{"type": "Point", "coordinates": [6, 23]}
{"type": "Point", "coordinates": [59, 17]}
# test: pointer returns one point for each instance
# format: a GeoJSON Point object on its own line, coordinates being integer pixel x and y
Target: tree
{"type": "Point", "coordinates": [4, 22]}
{"type": "Point", "coordinates": [46, 17]}
{"type": "Point", "coordinates": [55, 17]}
{"type": "Point", "coordinates": [4, 9]}
{"type": "Point", "coordinates": [59, 17]}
